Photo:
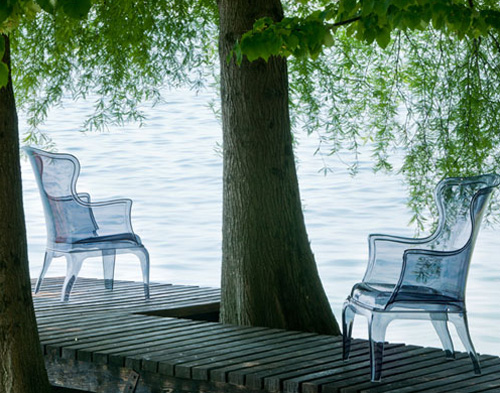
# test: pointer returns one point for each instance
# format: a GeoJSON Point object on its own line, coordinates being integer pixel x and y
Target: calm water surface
{"type": "Point", "coordinates": [172, 171]}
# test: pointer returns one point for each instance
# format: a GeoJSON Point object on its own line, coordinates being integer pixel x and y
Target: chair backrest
{"type": "Point", "coordinates": [461, 203]}
{"type": "Point", "coordinates": [67, 216]}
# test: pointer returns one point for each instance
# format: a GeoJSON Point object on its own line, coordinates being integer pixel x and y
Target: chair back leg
{"type": "Point", "coordinates": [440, 324]}
{"type": "Point", "coordinates": [143, 256]}
{"type": "Point", "coordinates": [46, 263]}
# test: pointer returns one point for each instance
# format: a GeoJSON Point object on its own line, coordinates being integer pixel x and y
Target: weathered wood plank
{"type": "Point", "coordinates": [278, 382]}
{"type": "Point", "coordinates": [439, 376]}
{"type": "Point", "coordinates": [253, 374]}
{"type": "Point", "coordinates": [110, 333]}
{"type": "Point", "coordinates": [166, 359]}
{"type": "Point", "coordinates": [88, 347]}
{"type": "Point", "coordinates": [457, 383]}
{"type": "Point", "coordinates": [203, 340]}
{"type": "Point", "coordinates": [190, 349]}
{"type": "Point", "coordinates": [359, 370]}
{"type": "Point", "coordinates": [142, 305]}
{"type": "Point", "coordinates": [271, 352]}
{"type": "Point", "coordinates": [410, 376]}
{"type": "Point", "coordinates": [225, 353]}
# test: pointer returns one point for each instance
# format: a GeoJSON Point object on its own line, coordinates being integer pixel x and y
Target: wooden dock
{"type": "Point", "coordinates": [115, 341]}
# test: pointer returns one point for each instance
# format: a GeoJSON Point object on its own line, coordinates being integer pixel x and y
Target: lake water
{"type": "Point", "coordinates": [172, 170]}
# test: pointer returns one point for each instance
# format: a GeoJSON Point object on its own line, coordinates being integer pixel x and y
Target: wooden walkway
{"type": "Point", "coordinates": [115, 341]}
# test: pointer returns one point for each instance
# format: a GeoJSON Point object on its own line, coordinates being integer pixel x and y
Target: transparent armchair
{"type": "Point", "coordinates": [411, 278]}
{"type": "Point", "coordinates": [78, 228]}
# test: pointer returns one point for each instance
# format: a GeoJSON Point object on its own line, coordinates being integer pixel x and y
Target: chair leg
{"type": "Point", "coordinates": [347, 322]}
{"type": "Point", "coordinates": [460, 322]}
{"type": "Point", "coordinates": [377, 326]}
{"type": "Point", "coordinates": [441, 327]}
{"type": "Point", "coordinates": [74, 264]}
{"type": "Point", "coordinates": [143, 256]}
{"type": "Point", "coordinates": [108, 264]}
{"type": "Point", "coordinates": [46, 263]}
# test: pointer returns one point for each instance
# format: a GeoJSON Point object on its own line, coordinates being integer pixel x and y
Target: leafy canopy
{"type": "Point", "coordinates": [429, 99]}
{"type": "Point", "coordinates": [367, 21]}
{"type": "Point", "coordinates": [426, 105]}
{"type": "Point", "coordinates": [12, 11]}
{"type": "Point", "coordinates": [120, 54]}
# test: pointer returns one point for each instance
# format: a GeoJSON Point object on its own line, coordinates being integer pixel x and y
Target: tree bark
{"type": "Point", "coordinates": [269, 276]}
{"type": "Point", "coordinates": [22, 368]}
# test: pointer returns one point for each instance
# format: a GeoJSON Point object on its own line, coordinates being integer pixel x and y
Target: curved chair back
{"type": "Point", "coordinates": [67, 219]}
{"type": "Point", "coordinates": [461, 204]}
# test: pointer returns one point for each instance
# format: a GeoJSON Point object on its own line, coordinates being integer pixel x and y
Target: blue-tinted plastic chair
{"type": "Point", "coordinates": [423, 278]}
{"type": "Point", "coordinates": [78, 228]}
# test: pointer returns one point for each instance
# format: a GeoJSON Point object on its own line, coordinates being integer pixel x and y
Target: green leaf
{"type": "Point", "coordinates": [5, 10]}
{"type": "Point", "coordinates": [2, 47]}
{"type": "Point", "coordinates": [77, 9]}
{"type": "Point", "coordinates": [4, 74]}
{"type": "Point", "coordinates": [291, 41]}
{"type": "Point", "coordinates": [369, 35]}
{"type": "Point", "coordinates": [367, 7]}
{"type": "Point", "coordinates": [347, 6]}
{"type": "Point", "coordinates": [381, 6]}
{"type": "Point", "coordinates": [239, 55]}
{"type": "Point", "coordinates": [438, 20]}
{"type": "Point", "coordinates": [262, 23]}
{"type": "Point", "coordinates": [328, 39]}
{"type": "Point", "coordinates": [47, 6]}
{"type": "Point", "coordinates": [250, 46]}
{"type": "Point", "coordinates": [383, 38]}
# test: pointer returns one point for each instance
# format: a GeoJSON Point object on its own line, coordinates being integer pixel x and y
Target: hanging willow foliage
{"type": "Point", "coordinates": [427, 91]}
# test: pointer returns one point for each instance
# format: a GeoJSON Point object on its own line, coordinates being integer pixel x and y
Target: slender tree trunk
{"type": "Point", "coordinates": [269, 276]}
{"type": "Point", "coordinates": [22, 368]}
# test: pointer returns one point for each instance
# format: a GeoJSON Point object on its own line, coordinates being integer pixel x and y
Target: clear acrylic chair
{"type": "Point", "coordinates": [78, 228]}
{"type": "Point", "coordinates": [409, 278]}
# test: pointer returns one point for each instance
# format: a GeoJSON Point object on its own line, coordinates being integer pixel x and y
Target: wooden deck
{"type": "Point", "coordinates": [115, 341]}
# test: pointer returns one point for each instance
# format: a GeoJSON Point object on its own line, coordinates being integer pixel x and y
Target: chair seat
{"type": "Point", "coordinates": [121, 237]}
{"type": "Point", "coordinates": [376, 296]}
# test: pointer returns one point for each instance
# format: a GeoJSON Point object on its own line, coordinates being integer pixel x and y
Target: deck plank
{"type": "Point", "coordinates": [116, 331]}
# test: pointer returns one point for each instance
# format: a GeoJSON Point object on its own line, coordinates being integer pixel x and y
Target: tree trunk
{"type": "Point", "coordinates": [269, 276]}
{"type": "Point", "coordinates": [22, 368]}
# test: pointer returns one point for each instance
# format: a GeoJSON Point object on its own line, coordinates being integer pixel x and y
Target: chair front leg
{"type": "Point", "coordinates": [377, 325]}
{"type": "Point", "coordinates": [348, 315]}
{"type": "Point", "coordinates": [74, 264]}
{"type": "Point", "coordinates": [462, 327]}
{"type": "Point", "coordinates": [108, 264]}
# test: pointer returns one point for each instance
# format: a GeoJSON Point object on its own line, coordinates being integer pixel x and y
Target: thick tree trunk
{"type": "Point", "coordinates": [269, 276]}
{"type": "Point", "coordinates": [22, 368]}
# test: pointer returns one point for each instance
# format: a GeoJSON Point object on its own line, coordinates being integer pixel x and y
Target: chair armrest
{"type": "Point", "coordinates": [111, 217]}
{"type": "Point", "coordinates": [437, 275]}
{"type": "Point", "coordinates": [386, 256]}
